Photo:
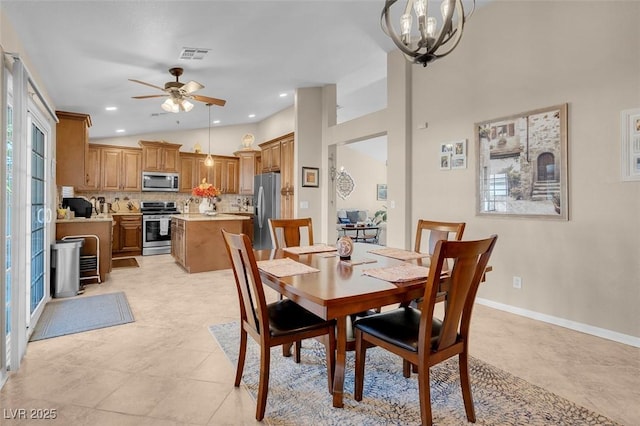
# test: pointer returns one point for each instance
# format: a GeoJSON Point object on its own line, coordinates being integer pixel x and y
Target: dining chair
{"type": "Point", "coordinates": [437, 231]}
{"type": "Point", "coordinates": [420, 338]}
{"type": "Point", "coordinates": [289, 232]}
{"type": "Point", "coordinates": [270, 325]}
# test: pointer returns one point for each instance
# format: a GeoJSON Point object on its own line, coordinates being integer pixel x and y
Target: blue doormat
{"type": "Point", "coordinates": [61, 317]}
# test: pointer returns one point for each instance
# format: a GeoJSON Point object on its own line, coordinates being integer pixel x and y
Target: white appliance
{"type": "Point", "coordinates": [266, 199]}
{"type": "Point", "coordinates": [159, 181]}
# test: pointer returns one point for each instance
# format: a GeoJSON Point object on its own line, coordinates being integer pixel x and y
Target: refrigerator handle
{"type": "Point", "coordinates": [260, 206]}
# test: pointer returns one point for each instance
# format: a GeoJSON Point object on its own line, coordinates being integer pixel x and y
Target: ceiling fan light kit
{"type": "Point", "coordinates": [436, 36]}
{"type": "Point", "coordinates": [179, 93]}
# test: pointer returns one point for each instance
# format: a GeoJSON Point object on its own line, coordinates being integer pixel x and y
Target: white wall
{"type": "Point", "coordinates": [519, 56]}
{"type": "Point", "coordinates": [225, 140]}
{"type": "Point", "coordinates": [280, 123]}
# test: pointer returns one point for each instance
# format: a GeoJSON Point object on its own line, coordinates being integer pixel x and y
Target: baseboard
{"type": "Point", "coordinates": [573, 325]}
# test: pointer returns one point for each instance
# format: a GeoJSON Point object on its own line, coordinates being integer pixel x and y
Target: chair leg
{"type": "Point", "coordinates": [330, 348]}
{"type": "Point", "coordinates": [297, 348]}
{"type": "Point", "coordinates": [286, 349]}
{"type": "Point", "coordinates": [263, 386]}
{"type": "Point", "coordinates": [361, 351]}
{"type": "Point", "coordinates": [241, 356]}
{"type": "Point", "coordinates": [463, 361]}
{"type": "Point", "coordinates": [424, 395]}
{"type": "Point", "coordinates": [406, 368]}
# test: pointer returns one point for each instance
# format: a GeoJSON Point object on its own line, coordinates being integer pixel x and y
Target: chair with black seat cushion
{"type": "Point", "coordinates": [270, 325]}
{"type": "Point", "coordinates": [418, 337]}
{"type": "Point", "coordinates": [289, 232]}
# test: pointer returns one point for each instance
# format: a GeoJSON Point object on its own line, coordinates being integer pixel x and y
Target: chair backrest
{"type": "Point", "coordinates": [437, 231]}
{"type": "Point", "coordinates": [469, 259]}
{"type": "Point", "coordinates": [288, 232]}
{"type": "Point", "coordinates": [253, 306]}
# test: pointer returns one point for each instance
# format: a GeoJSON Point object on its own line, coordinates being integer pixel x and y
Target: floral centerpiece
{"type": "Point", "coordinates": [208, 192]}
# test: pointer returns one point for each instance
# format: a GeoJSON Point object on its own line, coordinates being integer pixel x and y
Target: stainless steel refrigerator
{"type": "Point", "coordinates": [266, 199]}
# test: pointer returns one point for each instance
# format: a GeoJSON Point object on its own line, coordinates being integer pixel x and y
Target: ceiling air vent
{"type": "Point", "coordinates": [189, 53]}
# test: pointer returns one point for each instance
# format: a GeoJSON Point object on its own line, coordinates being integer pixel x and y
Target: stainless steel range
{"type": "Point", "coordinates": [156, 226]}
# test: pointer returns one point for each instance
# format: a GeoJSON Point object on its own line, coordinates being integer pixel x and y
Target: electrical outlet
{"type": "Point", "coordinates": [517, 282]}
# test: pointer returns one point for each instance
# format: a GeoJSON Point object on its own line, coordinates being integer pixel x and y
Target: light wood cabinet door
{"type": "Point", "coordinates": [131, 235]}
{"type": "Point", "coordinates": [120, 169]}
{"type": "Point", "coordinates": [246, 171]}
{"type": "Point", "coordinates": [72, 148]}
{"type": "Point", "coordinates": [92, 169]}
{"type": "Point", "coordinates": [160, 156]}
{"type": "Point", "coordinates": [115, 240]}
{"type": "Point", "coordinates": [231, 176]}
{"type": "Point", "coordinates": [131, 170]}
{"type": "Point", "coordinates": [178, 242]}
{"type": "Point", "coordinates": [187, 172]}
{"type": "Point", "coordinates": [224, 175]}
{"type": "Point", "coordinates": [110, 160]}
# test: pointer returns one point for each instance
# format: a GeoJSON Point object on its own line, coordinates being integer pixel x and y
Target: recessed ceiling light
{"type": "Point", "coordinates": [252, 115]}
{"type": "Point", "coordinates": [120, 131]}
{"type": "Point", "coordinates": [216, 121]}
{"type": "Point", "coordinates": [111, 108]}
{"type": "Point", "coordinates": [283, 95]}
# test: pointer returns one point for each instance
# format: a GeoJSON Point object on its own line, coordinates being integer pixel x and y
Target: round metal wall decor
{"type": "Point", "coordinates": [344, 185]}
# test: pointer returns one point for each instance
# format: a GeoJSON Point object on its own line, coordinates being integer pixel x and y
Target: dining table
{"type": "Point", "coordinates": [333, 288]}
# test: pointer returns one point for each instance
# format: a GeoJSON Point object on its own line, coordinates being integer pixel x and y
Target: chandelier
{"type": "Point", "coordinates": [435, 37]}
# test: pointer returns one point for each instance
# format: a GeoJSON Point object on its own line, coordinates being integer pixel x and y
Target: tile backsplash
{"type": "Point", "coordinates": [227, 203]}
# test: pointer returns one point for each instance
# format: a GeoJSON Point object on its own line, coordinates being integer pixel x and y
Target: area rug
{"type": "Point", "coordinates": [128, 262]}
{"type": "Point", "coordinates": [298, 392]}
{"type": "Point", "coordinates": [69, 316]}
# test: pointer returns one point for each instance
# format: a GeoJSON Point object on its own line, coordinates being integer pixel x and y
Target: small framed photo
{"type": "Point", "coordinates": [381, 191]}
{"type": "Point", "coordinates": [445, 161]}
{"type": "Point", "coordinates": [310, 177]}
{"type": "Point", "coordinates": [459, 155]}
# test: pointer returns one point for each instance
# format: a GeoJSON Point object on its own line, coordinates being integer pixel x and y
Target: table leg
{"type": "Point", "coordinates": [341, 359]}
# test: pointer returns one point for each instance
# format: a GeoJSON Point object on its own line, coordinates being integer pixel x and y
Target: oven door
{"type": "Point", "coordinates": [156, 231]}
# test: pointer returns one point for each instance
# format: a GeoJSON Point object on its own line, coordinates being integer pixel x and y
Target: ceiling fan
{"type": "Point", "coordinates": [179, 93]}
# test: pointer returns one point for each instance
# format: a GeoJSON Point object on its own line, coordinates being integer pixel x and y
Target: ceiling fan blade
{"type": "Point", "coordinates": [191, 87]}
{"type": "Point", "coordinates": [149, 96]}
{"type": "Point", "coordinates": [208, 100]}
{"type": "Point", "coordinates": [147, 84]}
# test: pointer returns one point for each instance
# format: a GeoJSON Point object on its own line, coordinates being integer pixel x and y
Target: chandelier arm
{"type": "Point", "coordinates": [451, 33]}
{"type": "Point", "coordinates": [391, 32]}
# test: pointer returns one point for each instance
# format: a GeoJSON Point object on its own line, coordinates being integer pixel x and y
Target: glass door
{"type": "Point", "coordinates": [38, 219]}
{"type": "Point", "coordinates": [5, 259]}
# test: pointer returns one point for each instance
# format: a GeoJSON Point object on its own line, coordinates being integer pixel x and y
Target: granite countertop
{"type": "Point", "coordinates": [203, 217]}
{"type": "Point", "coordinates": [127, 213]}
{"type": "Point", "coordinates": [85, 220]}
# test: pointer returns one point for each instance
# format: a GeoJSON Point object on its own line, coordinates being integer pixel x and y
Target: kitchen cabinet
{"type": "Point", "coordinates": [247, 168]}
{"type": "Point", "coordinates": [178, 247]}
{"type": "Point", "coordinates": [72, 148]}
{"type": "Point", "coordinates": [121, 169]}
{"type": "Point", "coordinates": [193, 170]}
{"type": "Point", "coordinates": [92, 168]}
{"type": "Point", "coordinates": [160, 156]}
{"type": "Point", "coordinates": [127, 235]}
{"type": "Point", "coordinates": [287, 177]}
{"type": "Point", "coordinates": [270, 156]}
{"type": "Point", "coordinates": [278, 155]}
{"type": "Point", "coordinates": [225, 174]}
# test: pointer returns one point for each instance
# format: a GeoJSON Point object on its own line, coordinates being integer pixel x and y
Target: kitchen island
{"type": "Point", "coordinates": [196, 240]}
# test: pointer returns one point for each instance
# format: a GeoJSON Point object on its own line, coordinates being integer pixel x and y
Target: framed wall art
{"type": "Point", "coordinates": [522, 165]}
{"type": "Point", "coordinates": [630, 137]}
{"type": "Point", "coordinates": [310, 177]}
{"type": "Point", "coordinates": [445, 156]}
{"type": "Point", "coordinates": [459, 154]}
{"type": "Point", "coordinates": [381, 191]}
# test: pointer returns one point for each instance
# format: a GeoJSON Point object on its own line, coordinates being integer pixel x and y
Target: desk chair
{"type": "Point", "coordinates": [288, 232]}
{"type": "Point", "coordinates": [418, 337]}
{"type": "Point", "coordinates": [270, 325]}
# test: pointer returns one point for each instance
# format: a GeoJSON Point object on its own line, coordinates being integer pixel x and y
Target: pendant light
{"type": "Point", "coordinates": [209, 160]}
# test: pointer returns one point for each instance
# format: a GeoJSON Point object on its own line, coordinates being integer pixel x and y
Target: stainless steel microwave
{"type": "Point", "coordinates": [158, 181]}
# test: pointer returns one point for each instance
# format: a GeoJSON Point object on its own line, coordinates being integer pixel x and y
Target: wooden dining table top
{"type": "Point", "coordinates": [340, 288]}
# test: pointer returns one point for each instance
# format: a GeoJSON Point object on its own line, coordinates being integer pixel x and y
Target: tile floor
{"type": "Point", "coordinates": [166, 369]}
